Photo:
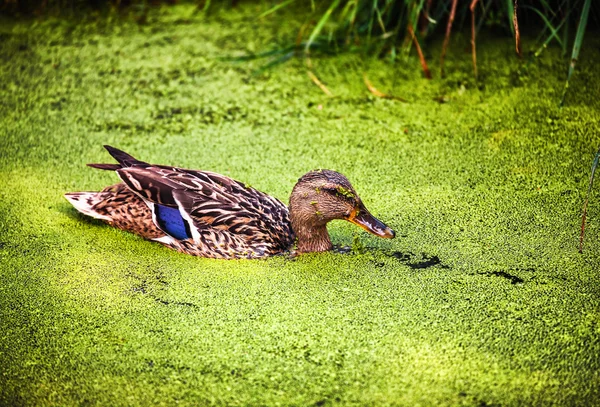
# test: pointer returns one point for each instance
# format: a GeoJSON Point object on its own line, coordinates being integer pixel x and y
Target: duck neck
{"type": "Point", "coordinates": [312, 238]}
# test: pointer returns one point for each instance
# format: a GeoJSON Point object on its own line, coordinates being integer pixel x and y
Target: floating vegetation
{"type": "Point", "coordinates": [587, 196]}
{"type": "Point", "coordinates": [512, 278]}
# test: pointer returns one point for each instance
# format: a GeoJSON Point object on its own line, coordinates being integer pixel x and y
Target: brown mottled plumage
{"type": "Point", "coordinates": [210, 215]}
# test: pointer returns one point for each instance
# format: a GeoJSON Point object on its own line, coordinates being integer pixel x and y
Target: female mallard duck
{"type": "Point", "coordinates": [210, 215]}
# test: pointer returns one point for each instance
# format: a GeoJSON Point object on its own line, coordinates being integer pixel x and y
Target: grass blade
{"type": "Point", "coordinates": [320, 24]}
{"type": "Point", "coordinates": [486, 8]}
{"type": "Point", "coordinates": [585, 203]}
{"type": "Point", "coordinates": [545, 44]}
{"type": "Point", "coordinates": [510, 12]}
{"type": "Point", "coordinates": [370, 29]}
{"type": "Point", "coordinates": [585, 11]}
{"type": "Point", "coordinates": [415, 12]}
{"type": "Point", "coordinates": [351, 9]}
{"type": "Point", "coordinates": [553, 30]}
{"type": "Point", "coordinates": [274, 62]}
{"type": "Point", "coordinates": [201, 7]}
{"type": "Point", "coordinates": [276, 7]}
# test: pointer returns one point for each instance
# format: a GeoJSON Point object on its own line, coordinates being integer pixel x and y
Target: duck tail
{"type": "Point", "coordinates": [87, 203]}
{"type": "Point", "coordinates": [125, 160]}
{"type": "Point", "coordinates": [110, 167]}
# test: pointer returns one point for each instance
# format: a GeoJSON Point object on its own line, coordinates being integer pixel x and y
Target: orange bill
{"type": "Point", "coordinates": [362, 217]}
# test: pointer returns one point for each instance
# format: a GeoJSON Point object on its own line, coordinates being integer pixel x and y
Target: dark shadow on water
{"type": "Point", "coordinates": [425, 261]}
{"type": "Point", "coordinates": [184, 304]}
{"type": "Point", "coordinates": [415, 262]}
{"type": "Point", "coordinates": [143, 288]}
{"type": "Point", "coordinates": [512, 278]}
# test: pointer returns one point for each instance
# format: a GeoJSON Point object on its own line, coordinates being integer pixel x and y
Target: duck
{"type": "Point", "coordinates": [206, 214]}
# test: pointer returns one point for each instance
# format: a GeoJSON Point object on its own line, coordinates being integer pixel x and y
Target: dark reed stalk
{"type": "Point", "coordinates": [447, 38]}
{"type": "Point", "coordinates": [585, 203]}
{"type": "Point", "coordinates": [516, 28]}
{"type": "Point", "coordinates": [585, 11]}
{"type": "Point", "coordinates": [426, 70]}
{"type": "Point", "coordinates": [473, 33]}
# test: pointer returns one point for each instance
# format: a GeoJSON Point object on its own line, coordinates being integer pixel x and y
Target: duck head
{"type": "Point", "coordinates": [321, 196]}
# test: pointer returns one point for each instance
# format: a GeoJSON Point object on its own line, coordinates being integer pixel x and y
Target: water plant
{"type": "Point", "coordinates": [577, 44]}
{"type": "Point", "coordinates": [394, 27]}
{"type": "Point", "coordinates": [390, 28]}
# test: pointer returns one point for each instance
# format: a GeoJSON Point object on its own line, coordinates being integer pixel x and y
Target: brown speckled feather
{"type": "Point", "coordinates": [225, 218]}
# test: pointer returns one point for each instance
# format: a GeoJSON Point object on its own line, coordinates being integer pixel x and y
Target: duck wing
{"type": "Point", "coordinates": [209, 207]}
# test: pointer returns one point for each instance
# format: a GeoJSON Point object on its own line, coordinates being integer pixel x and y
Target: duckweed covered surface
{"type": "Point", "coordinates": [482, 299]}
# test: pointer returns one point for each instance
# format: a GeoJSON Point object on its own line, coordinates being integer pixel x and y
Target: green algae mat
{"type": "Point", "coordinates": [482, 299]}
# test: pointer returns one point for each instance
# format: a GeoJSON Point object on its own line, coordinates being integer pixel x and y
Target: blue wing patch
{"type": "Point", "coordinates": [171, 222]}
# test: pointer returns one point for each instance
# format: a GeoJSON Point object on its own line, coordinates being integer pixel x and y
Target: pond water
{"type": "Point", "coordinates": [481, 299]}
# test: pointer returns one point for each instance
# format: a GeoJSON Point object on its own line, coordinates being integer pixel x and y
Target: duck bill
{"type": "Point", "coordinates": [363, 218]}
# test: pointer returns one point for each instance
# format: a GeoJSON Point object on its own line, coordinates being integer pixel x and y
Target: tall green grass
{"type": "Point", "coordinates": [583, 19]}
{"type": "Point", "coordinates": [390, 28]}
{"type": "Point", "coordinates": [395, 27]}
